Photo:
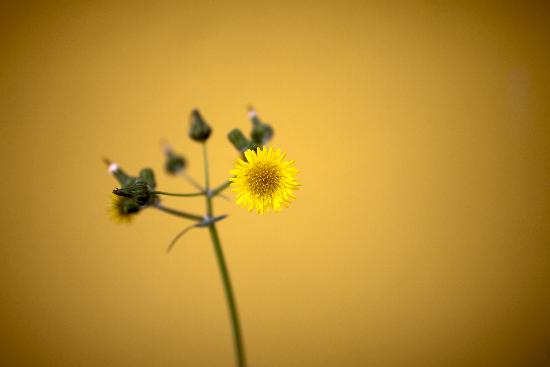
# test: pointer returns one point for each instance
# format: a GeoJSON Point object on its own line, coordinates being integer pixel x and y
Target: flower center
{"type": "Point", "coordinates": [263, 179]}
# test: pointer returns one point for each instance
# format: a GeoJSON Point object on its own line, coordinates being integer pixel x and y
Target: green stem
{"type": "Point", "coordinates": [178, 213]}
{"type": "Point", "coordinates": [206, 173]}
{"type": "Point", "coordinates": [192, 181]}
{"type": "Point", "coordinates": [209, 209]}
{"type": "Point", "coordinates": [176, 194]}
{"type": "Point", "coordinates": [220, 188]}
{"type": "Point", "coordinates": [231, 304]}
{"type": "Point", "coordinates": [226, 280]}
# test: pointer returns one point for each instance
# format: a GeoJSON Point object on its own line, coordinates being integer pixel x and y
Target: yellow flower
{"type": "Point", "coordinates": [122, 209]}
{"type": "Point", "coordinates": [265, 180]}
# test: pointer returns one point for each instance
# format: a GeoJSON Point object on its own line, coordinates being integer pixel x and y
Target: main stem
{"type": "Point", "coordinates": [226, 280]}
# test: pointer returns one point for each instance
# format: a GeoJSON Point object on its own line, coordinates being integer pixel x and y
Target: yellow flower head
{"type": "Point", "coordinates": [265, 180]}
{"type": "Point", "coordinates": [122, 209]}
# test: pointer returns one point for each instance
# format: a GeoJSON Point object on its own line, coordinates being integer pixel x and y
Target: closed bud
{"type": "Point", "coordinates": [199, 130]}
{"type": "Point", "coordinates": [239, 141]}
{"type": "Point", "coordinates": [174, 163]}
{"type": "Point", "coordinates": [148, 176]}
{"type": "Point", "coordinates": [121, 176]}
{"type": "Point", "coordinates": [261, 132]}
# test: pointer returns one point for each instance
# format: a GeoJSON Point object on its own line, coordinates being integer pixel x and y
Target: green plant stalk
{"type": "Point", "coordinates": [220, 188]}
{"type": "Point", "coordinates": [192, 181]}
{"type": "Point", "coordinates": [178, 213]}
{"type": "Point", "coordinates": [226, 280]}
{"type": "Point", "coordinates": [176, 194]}
{"type": "Point", "coordinates": [232, 305]}
{"type": "Point", "coordinates": [209, 209]}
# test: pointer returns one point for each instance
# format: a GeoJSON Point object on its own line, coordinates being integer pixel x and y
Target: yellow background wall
{"type": "Point", "coordinates": [420, 236]}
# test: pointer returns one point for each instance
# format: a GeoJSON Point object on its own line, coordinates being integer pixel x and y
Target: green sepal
{"type": "Point", "coordinates": [129, 206]}
{"type": "Point", "coordinates": [137, 190]}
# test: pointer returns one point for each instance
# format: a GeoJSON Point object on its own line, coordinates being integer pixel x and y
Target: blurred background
{"type": "Point", "coordinates": [419, 237]}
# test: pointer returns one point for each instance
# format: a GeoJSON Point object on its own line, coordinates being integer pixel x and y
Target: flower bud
{"type": "Point", "coordinates": [137, 190]}
{"type": "Point", "coordinates": [199, 130]}
{"type": "Point", "coordinates": [121, 176]}
{"type": "Point", "coordinates": [148, 176]}
{"type": "Point", "coordinates": [239, 141]}
{"type": "Point", "coordinates": [174, 163]}
{"type": "Point", "coordinates": [261, 132]}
